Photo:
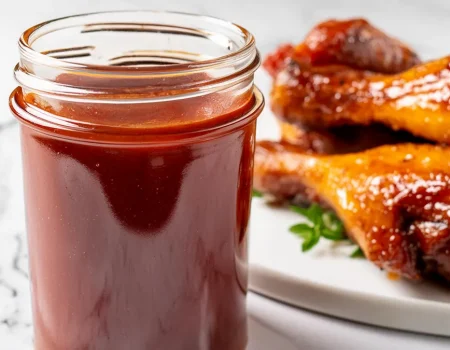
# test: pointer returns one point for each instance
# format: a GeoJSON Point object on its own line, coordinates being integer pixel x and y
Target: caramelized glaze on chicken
{"type": "Point", "coordinates": [393, 200]}
{"type": "Point", "coordinates": [354, 43]}
{"type": "Point", "coordinates": [417, 100]}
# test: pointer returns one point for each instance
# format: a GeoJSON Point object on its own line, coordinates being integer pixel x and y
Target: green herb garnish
{"type": "Point", "coordinates": [256, 193]}
{"type": "Point", "coordinates": [357, 253]}
{"type": "Point", "coordinates": [320, 223]}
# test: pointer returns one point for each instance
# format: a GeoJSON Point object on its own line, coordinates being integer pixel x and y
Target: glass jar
{"type": "Point", "coordinates": [138, 134]}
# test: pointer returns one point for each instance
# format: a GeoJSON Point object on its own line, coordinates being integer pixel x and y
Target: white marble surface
{"type": "Point", "coordinates": [272, 325]}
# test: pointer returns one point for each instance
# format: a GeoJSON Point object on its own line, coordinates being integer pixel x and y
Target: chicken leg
{"type": "Point", "coordinates": [394, 201]}
{"type": "Point", "coordinates": [417, 100]}
{"type": "Point", "coordinates": [354, 43]}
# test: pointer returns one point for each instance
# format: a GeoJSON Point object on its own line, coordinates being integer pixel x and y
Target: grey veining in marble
{"type": "Point", "coordinates": [15, 309]}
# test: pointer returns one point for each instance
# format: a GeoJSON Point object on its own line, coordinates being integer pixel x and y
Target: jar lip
{"type": "Point", "coordinates": [32, 55]}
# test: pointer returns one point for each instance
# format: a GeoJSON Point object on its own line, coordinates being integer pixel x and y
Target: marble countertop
{"type": "Point", "coordinates": [272, 325]}
{"type": "Point", "coordinates": [15, 305]}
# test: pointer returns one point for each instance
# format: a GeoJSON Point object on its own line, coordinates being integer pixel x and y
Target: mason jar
{"type": "Point", "coordinates": [138, 132]}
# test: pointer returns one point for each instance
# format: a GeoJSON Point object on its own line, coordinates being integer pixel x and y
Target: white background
{"type": "Point", "coordinates": [425, 24]}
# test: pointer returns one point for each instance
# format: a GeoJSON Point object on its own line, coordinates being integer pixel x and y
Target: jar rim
{"type": "Point", "coordinates": [37, 71]}
{"type": "Point", "coordinates": [29, 53]}
{"type": "Point", "coordinates": [57, 82]}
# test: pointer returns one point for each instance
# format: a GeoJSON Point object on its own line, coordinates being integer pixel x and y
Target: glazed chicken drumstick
{"type": "Point", "coordinates": [394, 201]}
{"type": "Point", "coordinates": [345, 45]}
{"type": "Point", "coordinates": [354, 43]}
{"type": "Point", "coordinates": [341, 139]}
{"type": "Point", "coordinates": [417, 100]}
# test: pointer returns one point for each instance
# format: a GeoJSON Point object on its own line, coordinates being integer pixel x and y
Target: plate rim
{"type": "Point", "coordinates": [414, 315]}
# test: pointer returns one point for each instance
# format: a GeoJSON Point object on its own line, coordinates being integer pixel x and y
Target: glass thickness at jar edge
{"type": "Point", "coordinates": [138, 180]}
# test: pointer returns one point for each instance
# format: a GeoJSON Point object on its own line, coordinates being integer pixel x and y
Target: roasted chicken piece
{"type": "Point", "coordinates": [393, 200]}
{"type": "Point", "coordinates": [355, 43]}
{"type": "Point", "coordinates": [346, 139]}
{"type": "Point", "coordinates": [417, 100]}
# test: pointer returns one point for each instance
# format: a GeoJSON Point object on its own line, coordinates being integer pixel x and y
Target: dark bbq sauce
{"type": "Point", "coordinates": [138, 245]}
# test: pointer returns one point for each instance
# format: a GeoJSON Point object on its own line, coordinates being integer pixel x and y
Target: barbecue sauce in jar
{"type": "Point", "coordinates": [138, 203]}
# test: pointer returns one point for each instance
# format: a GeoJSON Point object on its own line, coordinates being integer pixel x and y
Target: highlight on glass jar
{"type": "Point", "coordinates": [137, 133]}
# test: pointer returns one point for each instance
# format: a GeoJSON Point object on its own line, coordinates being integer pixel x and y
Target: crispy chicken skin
{"type": "Point", "coordinates": [417, 100]}
{"type": "Point", "coordinates": [354, 43]}
{"type": "Point", "coordinates": [393, 200]}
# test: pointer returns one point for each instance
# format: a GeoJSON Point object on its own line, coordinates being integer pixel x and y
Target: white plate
{"type": "Point", "coordinates": [327, 280]}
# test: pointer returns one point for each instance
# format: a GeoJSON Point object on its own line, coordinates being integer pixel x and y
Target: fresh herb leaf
{"type": "Point", "coordinates": [302, 230]}
{"type": "Point", "coordinates": [332, 222]}
{"type": "Point", "coordinates": [256, 193]}
{"type": "Point", "coordinates": [299, 210]}
{"type": "Point", "coordinates": [333, 236]}
{"type": "Point", "coordinates": [311, 240]}
{"type": "Point", "coordinates": [357, 253]}
{"type": "Point", "coordinates": [315, 213]}
{"type": "Point", "coordinates": [320, 224]}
